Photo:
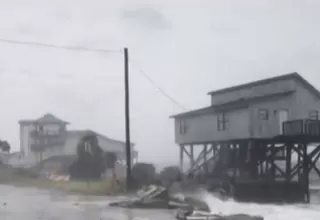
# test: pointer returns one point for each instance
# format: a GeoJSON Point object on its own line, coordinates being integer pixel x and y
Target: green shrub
{"type": "Point", "coordinates": [143, 174]}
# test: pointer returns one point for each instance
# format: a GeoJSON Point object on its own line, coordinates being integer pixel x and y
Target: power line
{"type": "Point", "coordinates": [44, 45]}
{"type": "Point", "coordinates": [143, 73]}
{"type": "Point", "coordinates": [38, 44]}
{"type": "Point", "coordinates": [35, 74]}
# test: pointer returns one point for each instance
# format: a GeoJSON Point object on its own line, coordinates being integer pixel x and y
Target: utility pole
{"type": "Point", "coordinates": [127, 117]}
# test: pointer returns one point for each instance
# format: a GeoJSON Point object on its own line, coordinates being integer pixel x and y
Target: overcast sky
{"type": "Point", "coordinates": [187, 48]}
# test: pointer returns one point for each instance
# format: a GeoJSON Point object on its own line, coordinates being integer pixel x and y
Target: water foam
{"type": "Point", "coordinates": [269, 212]}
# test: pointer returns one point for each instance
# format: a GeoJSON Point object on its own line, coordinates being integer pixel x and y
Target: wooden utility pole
{"type": "Point", "coordinates": [127, 118]}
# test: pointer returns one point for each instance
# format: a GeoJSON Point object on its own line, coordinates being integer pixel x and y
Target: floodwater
{"type": "Point", "coordinates": [34, 204]}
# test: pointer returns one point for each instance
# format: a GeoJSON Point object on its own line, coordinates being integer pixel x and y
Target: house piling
{"type": "Point", "coordinates": [261, 138]}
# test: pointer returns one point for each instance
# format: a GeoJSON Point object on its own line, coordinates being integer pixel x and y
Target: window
{"type": "Point", "coordinates": [263, 114]}
{"type": "Point", "coordinates": [223, 121]}
{"type": "Point", "coordinates": [314, 115]}
{"type": "Point", "coordinates": [182, 127]}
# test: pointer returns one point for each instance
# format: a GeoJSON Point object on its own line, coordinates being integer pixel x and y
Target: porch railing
{"type": "Point", "coordinates": [301, 127]}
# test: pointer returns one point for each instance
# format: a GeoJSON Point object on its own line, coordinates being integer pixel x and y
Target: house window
{"type": "Point", "coordinates": [263, 114]}
{"type": "Point", "coordinates": [314, 115]}
{"type": "Point", "coordinates": [182, 127]}
{"type": "Point", "coordinates": [223, 121]}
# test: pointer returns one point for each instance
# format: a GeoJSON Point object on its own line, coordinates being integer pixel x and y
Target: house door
{"type": "Point", "coordinates": [283, 116]}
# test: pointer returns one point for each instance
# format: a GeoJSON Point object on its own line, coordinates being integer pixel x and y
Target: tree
{"type": "Point", "coordinates": [5, 146]}
{"type": "Point", "coordinates": [143, 174]}
{"type": "Point", "coordinates": [90, 162]}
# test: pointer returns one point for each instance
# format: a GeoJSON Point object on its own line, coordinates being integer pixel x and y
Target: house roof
{"type": "Point", "coordinates": [47, 118]}
{"type": "Point", "coordinates": [295, 76]}
{"type": "Point", "coordinates": [78, 134]}
{"type": "Point", "coordinates": [81, 133]}
{"type": "Point", "coordinates": [235, 104]}
{"type": "Point", "coordinates": [50, 118]}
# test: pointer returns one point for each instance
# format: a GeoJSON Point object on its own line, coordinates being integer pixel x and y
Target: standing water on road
{"type": "Point", "coordinates": [34, 204]}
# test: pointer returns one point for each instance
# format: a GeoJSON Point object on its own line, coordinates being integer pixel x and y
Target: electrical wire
{"type": "Point", "coordinates": [143, 73]}
{"type": "Point", "coordinates": [37, 44]}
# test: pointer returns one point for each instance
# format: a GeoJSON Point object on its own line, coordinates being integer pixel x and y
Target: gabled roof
{"type": "Point", "coordinates": [81, 133]}
{"type": "Point", "coordinates": [294, 76]}
{"type": "Point", "coordinates": [76, 135]}
{"type": "Point", "coordinates": [47, 118]}
{"type": "Point", "coordinates": [235, 104]}
{"type": "Point", "coordinates": [50, 118]}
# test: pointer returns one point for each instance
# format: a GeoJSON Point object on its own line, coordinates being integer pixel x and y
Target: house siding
{"type": "Point", "coordinates": [53, 150]}
{"type": "Point", "coordinates": [298, 105]}
{"type": "Point", "coordinates": [246, 123]}
{"type": "Point", "coordinates": [56, 150]}
{"type": "Point", "coordinates": [305, 102]}
{"type": "Point", "coordinates": [25, 138]}
{"type": "Point", "coordinates": [203, 128]}
{"type": "Point", "coordinates": [70, 147]}
{"type": "Point", "coordinates": [259, 90]}
{"type": "Point", "coordinates": [269, 128]}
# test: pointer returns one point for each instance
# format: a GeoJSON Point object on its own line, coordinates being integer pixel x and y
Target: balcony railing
{"type": "Point", "coordinates": [41, 144]}
{"type": "Point", "coordinates": [43, 147]}
{"type": "Point", "coordinates": [301, 127]}
{"type": "Point", "coordinates": [37, 134]}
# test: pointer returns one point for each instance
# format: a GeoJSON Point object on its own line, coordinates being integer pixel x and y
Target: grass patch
{"type": "Point", "coordinates": [97, 188]}
{"type": "Point", "coordinates": [22, 178]}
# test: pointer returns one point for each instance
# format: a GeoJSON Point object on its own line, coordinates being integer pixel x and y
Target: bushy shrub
{"type": "Point", "coordinates": [143, 174]}
{"type": "Point", "coordinates": [5, 146]}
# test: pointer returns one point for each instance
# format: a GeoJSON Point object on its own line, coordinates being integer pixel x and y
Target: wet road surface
{"type": "Point", "coordinates": [34, 204]}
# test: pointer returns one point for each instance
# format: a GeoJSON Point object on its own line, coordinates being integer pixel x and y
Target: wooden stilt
{"type": "Point", "coordinates": [192, 162]}
{"type": "Point", "coordinates": [306, 173]}
{"type": "Point", "coordinates": [181, 157]}
{"type": "Point", "coordinates": [205, 157]}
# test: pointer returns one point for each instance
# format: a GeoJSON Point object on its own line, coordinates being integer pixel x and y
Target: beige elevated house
{"type": "Point", "coordinates": [248, 111]}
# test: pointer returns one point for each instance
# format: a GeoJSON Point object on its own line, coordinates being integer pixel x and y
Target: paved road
{"type": "Point", "coordinates": [33, 204]}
